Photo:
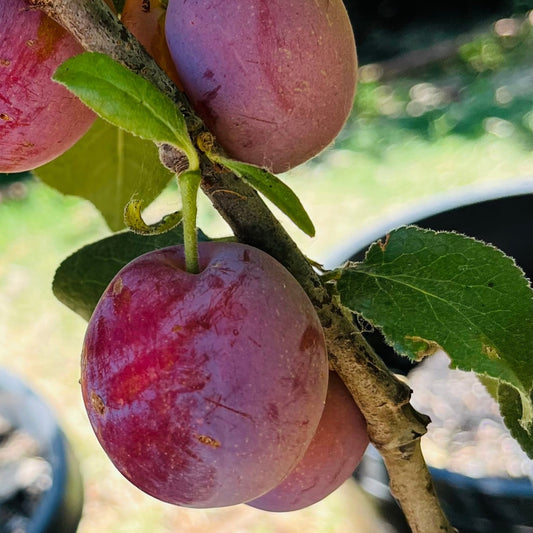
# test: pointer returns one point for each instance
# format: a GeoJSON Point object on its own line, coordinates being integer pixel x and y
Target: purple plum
{"type": "Point", "coordinates": [205, 389]}
{"type": "Point", "coordinates": [273, 80]}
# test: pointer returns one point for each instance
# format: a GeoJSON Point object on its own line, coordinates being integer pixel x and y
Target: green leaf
{"type": "Point", "coordinates": [428, 289]}
{"type": "Point", "coordinates": [272, 188]}
{"type": "Point", "coordinates": [512, 410]}
{"type": "Point", "coordinates": [107, 167]}
{"type": "Point", "coordinates": [126, 100]}
{"type": "Point", "coordinates": [81, 279]}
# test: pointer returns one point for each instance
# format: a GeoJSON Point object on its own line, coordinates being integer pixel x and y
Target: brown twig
{"type": "Point", "coordinates": [394, 426]}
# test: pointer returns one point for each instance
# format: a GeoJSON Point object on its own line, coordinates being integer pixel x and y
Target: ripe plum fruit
{"type": "Point", "coordinates": [335, 451]}
{"type": "Point", "coordinates": [205, 389]}
{"type": "Point", "coordinates": [146, 20]}
{"type": "Point", "coordinates": [274, 81]}
{"type": "Point", "coordinates": [39, 119]}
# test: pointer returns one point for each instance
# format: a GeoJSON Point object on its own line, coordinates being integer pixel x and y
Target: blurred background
{"type": "Point", "coordinates": [444, 104]}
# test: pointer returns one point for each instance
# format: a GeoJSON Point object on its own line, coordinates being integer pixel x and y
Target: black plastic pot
{"type": "Point", "coordinates": [502, 216]}
{"type": "Point", "coordinates": [59, 507]}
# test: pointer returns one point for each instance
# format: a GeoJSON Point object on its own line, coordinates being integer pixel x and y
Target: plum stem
{"type": "Point", "coordinates": [189, 183]}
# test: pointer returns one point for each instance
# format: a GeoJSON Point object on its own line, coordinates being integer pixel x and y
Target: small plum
{"type": "Point", "coordinates": [39, 119]}
{"type": "Point", "coordinates": [146, 20]}
{"type": "Point", "coordinates": [335, 451]}
{"type": "Point", "coordinates": [205, 389]}
{"type": "Point", "coordinates": [274, 81]}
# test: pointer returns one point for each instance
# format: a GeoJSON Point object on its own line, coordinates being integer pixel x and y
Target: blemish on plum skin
{"type": "Point", "coordinates": [204, 108]}
{"type": "Point", "coordinates": [231, 409]}
{"type": "Point", "coordinates": [121, 295]}
{"type": "Point", "coordinates": [4, 117]}
{"type": "Point", "coordinates": [5, 62]}
{"type": "Point", "coordinates": [97, 403]}
{"type": "Point", "coordinates": [211, 95]}
{"type": "Point", "coordinates": [49, 34]}
{"type": "Point", "coordinates": [208, 441]}
{"type": "Point", "coordinates": [117, 287]}
{"type": "Point", "coordinates": [272, 412]}
{"type": "Point", "coordinates": [309, 338]}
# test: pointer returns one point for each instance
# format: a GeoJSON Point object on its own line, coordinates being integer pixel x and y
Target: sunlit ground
{"type": "Point", "coordinates": [368, 176]}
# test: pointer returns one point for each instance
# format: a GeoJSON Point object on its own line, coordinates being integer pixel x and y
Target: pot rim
{"type": "Point", "coordinates": [426, 207]}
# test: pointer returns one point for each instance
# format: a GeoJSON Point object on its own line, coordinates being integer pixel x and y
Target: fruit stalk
{"type": "Point", "coordinates": [189, 183]}
{"type": "Point", "coordinates": [394, 426]}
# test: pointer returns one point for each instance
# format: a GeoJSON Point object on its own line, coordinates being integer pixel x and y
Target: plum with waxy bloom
{"type": "Point", "coordinates": [205, 389]}
{"type": "Point", "coordinates": [39, 118]}
{"type": "Point", "coordinates": [274, 81]}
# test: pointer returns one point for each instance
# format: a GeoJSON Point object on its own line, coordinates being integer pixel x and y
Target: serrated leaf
{"type": "Point", "coordinates": [512, 410]}
{"type": "Point", "coordinates": [81, 278]}
{"type": "Point", "coordinates": [107, 167]}
{"type": "Point", "coordinates": [428, 289]}
{"type": "Point", "coordinates": [126, 100]}
{"type": "Point", "coordinates": [272, 188]}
